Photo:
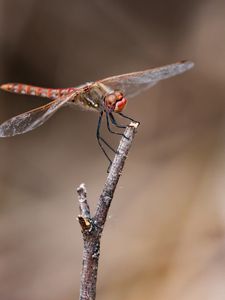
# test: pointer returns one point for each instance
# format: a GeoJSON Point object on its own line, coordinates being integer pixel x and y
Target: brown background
{"type": "Point", "coordinates": [164, 238]}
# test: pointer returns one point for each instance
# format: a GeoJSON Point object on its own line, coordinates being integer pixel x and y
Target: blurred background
{"type": "Point", "coordinates": [165, 235]}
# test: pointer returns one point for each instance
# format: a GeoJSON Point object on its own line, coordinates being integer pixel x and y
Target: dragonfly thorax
{"type": "Point", "coordinates": [115, 101]}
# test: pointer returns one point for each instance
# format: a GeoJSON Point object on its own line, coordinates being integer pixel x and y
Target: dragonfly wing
{"type": "Point", "coordinates": [132, 84]}
{"type": "Point", "coordinates": [33, 118]}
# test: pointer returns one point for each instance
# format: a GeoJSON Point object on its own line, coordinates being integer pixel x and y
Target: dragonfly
{"type": "Point", "coordinates": [106, 97]}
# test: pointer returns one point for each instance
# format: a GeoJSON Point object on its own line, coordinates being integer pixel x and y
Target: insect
{"type": "Point", "coordinates": [106, 96]}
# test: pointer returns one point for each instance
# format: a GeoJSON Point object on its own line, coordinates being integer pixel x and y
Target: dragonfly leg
{"type": "Point", "coordinates": [107, 144]}
{"type": "Point", "coordinates": [100, 139]}
{"type": "Point", "coordinates": [113, 120]}
{"type": "Point", "coordinates": [126, 117]}
{"type": "Point", "coordinates": [108, 125]}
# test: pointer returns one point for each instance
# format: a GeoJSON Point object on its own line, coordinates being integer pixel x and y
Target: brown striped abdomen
{"type": "Point", "coordinates": [25, 89]}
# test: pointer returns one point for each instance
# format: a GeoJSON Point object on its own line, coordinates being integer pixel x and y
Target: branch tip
{"type": "Point", "coordinates": [83, 203]}
{"type": "Point", "coordinates": [81, 189]}
{"type": "Point", "coordinates": [134, 124]}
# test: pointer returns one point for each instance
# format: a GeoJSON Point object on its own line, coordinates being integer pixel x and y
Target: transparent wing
{"type": "Point", "coordinates": [33, 118]}
{"type": "Point", "coordinates": [132, 84]}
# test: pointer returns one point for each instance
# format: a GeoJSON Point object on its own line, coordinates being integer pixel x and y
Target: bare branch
{"type": "Point", "coordinates": [114, 175]}
{"type": "Point", "coordinates": [92, 227]}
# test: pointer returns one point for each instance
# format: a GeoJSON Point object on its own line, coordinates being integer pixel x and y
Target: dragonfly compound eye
{"type": "Point", "coordinates": [120, 104]}
{"type": "Point", "coordinates": [110, 101]}
{"type": "Point", "coordinates": [115, 102]}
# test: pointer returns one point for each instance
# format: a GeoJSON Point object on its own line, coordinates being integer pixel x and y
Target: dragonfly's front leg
{"type": "Point", "coordinates": [108, 125]}
{"type": "Point", "coordinates": [113, 120]}
{"type": "Point", "coordinates": [126, 117]}
{"type": "Point", "coordinates": [100, 139]}
{"type": "Point", "coordinates": [114, 123]}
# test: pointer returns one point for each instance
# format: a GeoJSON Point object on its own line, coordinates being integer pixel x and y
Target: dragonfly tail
{"type": "Point", "coordinates": [25, 89]}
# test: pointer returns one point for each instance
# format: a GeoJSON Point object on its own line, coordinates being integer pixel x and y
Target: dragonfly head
{"type": "Point", "coordinates": [115, 101]}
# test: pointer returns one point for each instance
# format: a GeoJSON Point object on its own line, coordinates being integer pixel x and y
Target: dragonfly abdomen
{"type": "Point", "coordinates": [25, 89]}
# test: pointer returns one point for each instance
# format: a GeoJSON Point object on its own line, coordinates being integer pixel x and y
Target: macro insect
{"type": "Point", "coordinates": [106, 96]}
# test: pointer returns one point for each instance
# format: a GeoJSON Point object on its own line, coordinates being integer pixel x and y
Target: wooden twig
{"type": "Point", "coordinates": [92, 227]}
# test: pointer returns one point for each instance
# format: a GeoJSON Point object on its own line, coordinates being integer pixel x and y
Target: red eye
{"type": "Point", "coordinates": [115, 101]}
{"type": "Point", "coordinates": [119, 95]}
{"type": "Point", "coordinates": [120, 105]}
{"type": "Point", "coordinates": [110, 101]}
